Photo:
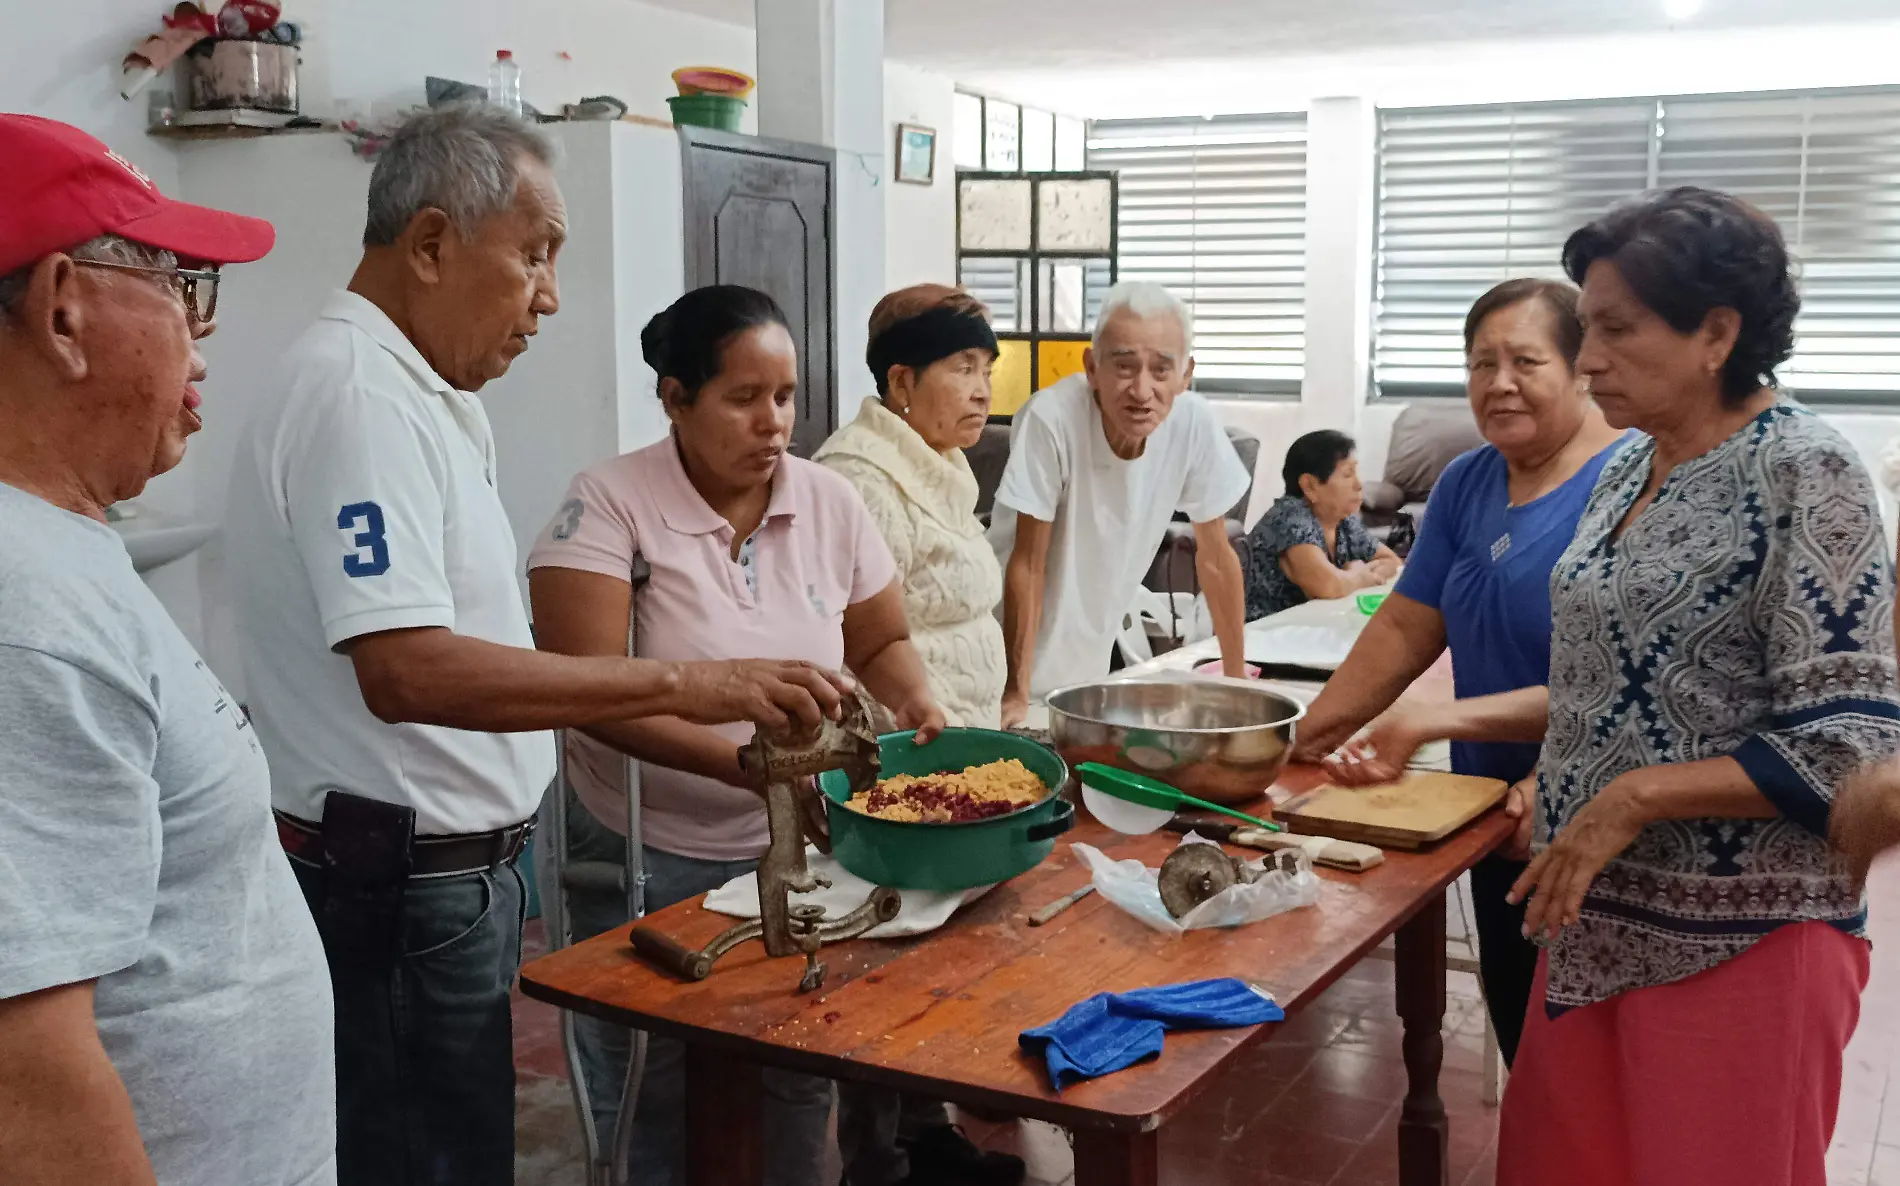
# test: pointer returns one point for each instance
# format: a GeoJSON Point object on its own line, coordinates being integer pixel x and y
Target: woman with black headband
{"type": "Point", "coordinates": [930, 355]}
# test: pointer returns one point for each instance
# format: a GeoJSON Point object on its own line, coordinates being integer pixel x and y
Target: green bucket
{"type": "Point", "coordinates": [707, 111]}
{"type": "Point", "coordinates": [950, 856]}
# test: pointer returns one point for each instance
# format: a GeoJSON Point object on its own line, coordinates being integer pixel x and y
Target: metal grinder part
{"type": "Point", "coordinates": [1193, 873]}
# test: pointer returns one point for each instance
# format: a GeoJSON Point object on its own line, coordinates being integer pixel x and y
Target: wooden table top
{"type": "Point", "coordinates": [938, 1014]}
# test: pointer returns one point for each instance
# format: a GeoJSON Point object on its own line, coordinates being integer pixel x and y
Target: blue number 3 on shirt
{"type": "Point", "coordinates": [371, 557]}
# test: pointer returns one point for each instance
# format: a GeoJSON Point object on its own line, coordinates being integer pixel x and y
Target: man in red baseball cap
{"type": "Point", "coordinates": [165, 1009]}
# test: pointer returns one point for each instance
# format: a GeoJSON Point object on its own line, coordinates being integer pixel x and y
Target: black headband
{"type": "Point", "coordinates": [932, 335]}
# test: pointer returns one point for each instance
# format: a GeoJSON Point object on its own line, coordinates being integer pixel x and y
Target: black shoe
{"type": "Point", "coordinates": [945, 1154]}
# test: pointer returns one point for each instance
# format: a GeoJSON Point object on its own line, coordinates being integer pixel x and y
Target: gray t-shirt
{"type": "Point", "coordinates": [137, 849]}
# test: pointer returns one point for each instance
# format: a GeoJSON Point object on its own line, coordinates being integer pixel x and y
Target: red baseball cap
{"type": "Point", "coordinates": [62, 188]}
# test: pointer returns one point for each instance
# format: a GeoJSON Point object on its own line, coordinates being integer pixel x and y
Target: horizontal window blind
{"type": "Point", "coordinates": [1472, 196]}
{"type": "Point", "coordinates": [1827, 168]}
{"type": "Point", "coordinates": [1216, 210]}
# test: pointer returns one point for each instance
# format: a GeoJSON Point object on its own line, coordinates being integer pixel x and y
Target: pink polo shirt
{"type": "Point", "coordinates": [816, 552]}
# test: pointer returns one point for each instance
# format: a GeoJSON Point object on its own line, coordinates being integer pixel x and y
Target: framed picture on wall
{"type": "Point", "coordinates": [916, 154]}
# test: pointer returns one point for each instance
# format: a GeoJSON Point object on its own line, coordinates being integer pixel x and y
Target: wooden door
{"type": "Point", "coordinates": [758, 213]}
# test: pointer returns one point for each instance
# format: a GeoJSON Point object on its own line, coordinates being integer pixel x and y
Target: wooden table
{"type": "Point", "coordinates": [938, 1015]}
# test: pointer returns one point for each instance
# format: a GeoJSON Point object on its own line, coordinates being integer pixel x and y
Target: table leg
{"type": "Point", "coordinates": [723, 1118]}
{"type": "Point", "coordinates": [1117, 1158]}
{"type": "Point", "coordinates": [1419, 969]}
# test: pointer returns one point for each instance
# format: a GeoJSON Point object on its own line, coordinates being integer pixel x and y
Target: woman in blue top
{"type": "Point", "coordinates": [1478, 581]}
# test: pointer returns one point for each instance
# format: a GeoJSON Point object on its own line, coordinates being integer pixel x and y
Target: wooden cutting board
{"type": "Point", "coordinates": [1413, 812]}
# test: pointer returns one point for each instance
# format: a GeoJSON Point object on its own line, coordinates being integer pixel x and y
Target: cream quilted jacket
{"type": "Point", "coordinates": [924, 503]}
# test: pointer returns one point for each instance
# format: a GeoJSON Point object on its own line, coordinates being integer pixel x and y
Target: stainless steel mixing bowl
{"type": "Point", "coordinates": [1220, 740]}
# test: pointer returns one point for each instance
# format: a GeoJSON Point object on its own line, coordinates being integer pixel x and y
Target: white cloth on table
{"type": "Point", "coordinates": [922, 911]}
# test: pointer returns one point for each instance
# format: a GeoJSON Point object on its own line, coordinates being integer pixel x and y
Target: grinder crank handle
{"type": "Point", "coordinates": [670, 954]}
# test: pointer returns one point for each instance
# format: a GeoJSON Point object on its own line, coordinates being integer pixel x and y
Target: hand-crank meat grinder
{"type": "Point", "coordinates": [794, 810]}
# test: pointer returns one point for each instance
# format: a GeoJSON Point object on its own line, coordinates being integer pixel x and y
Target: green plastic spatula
{"type": "Point", "coordinates": [1143, 791]}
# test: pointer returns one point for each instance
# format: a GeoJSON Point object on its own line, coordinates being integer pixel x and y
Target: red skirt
{"type": "Point", "coordinates": [1730, 1076]}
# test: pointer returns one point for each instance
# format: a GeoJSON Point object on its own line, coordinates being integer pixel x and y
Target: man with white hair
{"type": "Point", "coordinates": [391, 670]}
{"type": "Point", "coordinates": [1098, 465]}
{"type": "Point", "coordinates": [164, 1014]}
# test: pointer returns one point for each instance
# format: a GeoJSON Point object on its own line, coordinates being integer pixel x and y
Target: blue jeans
{"type": "Point", "coordinates": [797, 1107]}
{"type": "Point", "coordinates": [425, 1043]}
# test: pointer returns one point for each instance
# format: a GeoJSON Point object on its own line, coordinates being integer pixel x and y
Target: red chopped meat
{"type": "Point", "coordinates": [939, 802]}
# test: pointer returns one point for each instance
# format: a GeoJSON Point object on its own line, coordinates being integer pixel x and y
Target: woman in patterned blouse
{"type": "Point", "coordinates": [1310, 543]}
{"type": "Point", "coordinates": [1722, 656]}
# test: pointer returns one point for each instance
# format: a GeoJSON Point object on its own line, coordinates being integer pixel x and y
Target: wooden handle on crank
{"type": "Point", "coordinates": [670, 954]}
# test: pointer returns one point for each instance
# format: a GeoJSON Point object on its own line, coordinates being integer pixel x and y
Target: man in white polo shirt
{"type": "Point", "coordinates": [388, 655]}
{"type": "Point", "coordinates": [1098, 464]}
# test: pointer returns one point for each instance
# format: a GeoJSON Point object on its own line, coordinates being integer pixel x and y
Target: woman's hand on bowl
{"type": "Point", "coordinates": [926, 719]}
{"type": "Point", "coordinates": [1015, 709]}
{"type": "Point", "coordinates": [778, 695]}
{"type": "Point", "coordinates": [1560, 876]}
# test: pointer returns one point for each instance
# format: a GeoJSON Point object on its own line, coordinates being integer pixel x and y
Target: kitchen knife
{"type": "Point", "coordinates": [1339, 854]}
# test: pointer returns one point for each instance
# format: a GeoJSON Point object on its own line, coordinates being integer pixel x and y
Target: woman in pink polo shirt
{"type": "Point", "coordinates": [754, 553]}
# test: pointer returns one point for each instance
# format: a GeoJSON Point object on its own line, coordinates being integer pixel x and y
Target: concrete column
{"type": "Point", "coordinates": [821, 81]}
{"type": "Point", "coordinates": [1340, 144]}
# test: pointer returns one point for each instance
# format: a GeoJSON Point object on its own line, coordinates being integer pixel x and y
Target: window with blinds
{"type": "Point", "coordinates": [1216, 210]}
{"type": "Point", "coordinates": [1472, 196]}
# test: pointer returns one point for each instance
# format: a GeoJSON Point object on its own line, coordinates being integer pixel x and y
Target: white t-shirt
{"type": "Point", "coordinates": [1110, 515]}
{"type": "Point", "coordinates": [365, 501]}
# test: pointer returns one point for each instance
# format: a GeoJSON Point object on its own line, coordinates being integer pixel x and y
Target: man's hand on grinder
{"type": "Point", "coordinates": [780, 696]}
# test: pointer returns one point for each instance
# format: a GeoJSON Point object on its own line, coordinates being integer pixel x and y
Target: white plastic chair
{"type": "Point", "coordinates": [1168, 614]}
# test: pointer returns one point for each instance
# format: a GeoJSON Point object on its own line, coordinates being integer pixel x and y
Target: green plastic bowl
{"type": "Point", "coordinates": [952, 857]}
{"type": "Point", "coordinates": [707, 111]}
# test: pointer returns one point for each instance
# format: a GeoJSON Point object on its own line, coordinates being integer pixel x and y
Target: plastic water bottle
{"type": "Point", "coordinates": [504, 82]}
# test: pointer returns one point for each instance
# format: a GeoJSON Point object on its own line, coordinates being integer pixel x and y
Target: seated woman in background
{"type": "Point", "coordinates": [1310, 544]}
{"type": "Point", "coordinates": [1478, 581]}
{"type": "Point", "coordinates": [753, 553]}
{"type": "Point", "coordinates": [930, 354]}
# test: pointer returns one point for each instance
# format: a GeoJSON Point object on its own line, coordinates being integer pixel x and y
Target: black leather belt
{"type": "Point", "coordinates": [429, 856]}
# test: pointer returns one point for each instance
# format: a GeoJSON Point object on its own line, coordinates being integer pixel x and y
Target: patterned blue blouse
{"type": "Point", "coordinates": [1747, 612]}
{"type": "Point", "coordinates": [1290, 521]}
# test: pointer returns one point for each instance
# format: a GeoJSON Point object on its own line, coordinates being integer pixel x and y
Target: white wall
{"type": "Point", "coordinates": [920, 220]}
{"type": "Point", "coordinates": [381, 50]}
{"type": "Point", "coordinates": [61, 60]}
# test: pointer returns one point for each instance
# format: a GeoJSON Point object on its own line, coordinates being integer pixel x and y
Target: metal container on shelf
{"type": "Point", "coordinates": [1216, 739]}
{"type": "Point", "coordinates": [226, 75]}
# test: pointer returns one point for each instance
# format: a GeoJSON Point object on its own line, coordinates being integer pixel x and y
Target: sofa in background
{"type": "Point", "coordinates": [1426, 437]}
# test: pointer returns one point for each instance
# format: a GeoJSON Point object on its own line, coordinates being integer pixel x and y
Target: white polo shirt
{"type": "Point", "coordinates": [1110, 515]}
{"type": "Point", "coordinates": [363, 501]}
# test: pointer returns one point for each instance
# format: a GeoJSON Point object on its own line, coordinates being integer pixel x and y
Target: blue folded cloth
{"type": "Point", "coordinates": [1110, 1030]}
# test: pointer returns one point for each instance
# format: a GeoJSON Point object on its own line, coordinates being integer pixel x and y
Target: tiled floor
{"type": "Point", "coordinates": [1318, 1104]}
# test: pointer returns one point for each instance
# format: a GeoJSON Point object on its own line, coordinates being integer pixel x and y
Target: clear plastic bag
{"type": "Point", "coordinates": [1131, 885]}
